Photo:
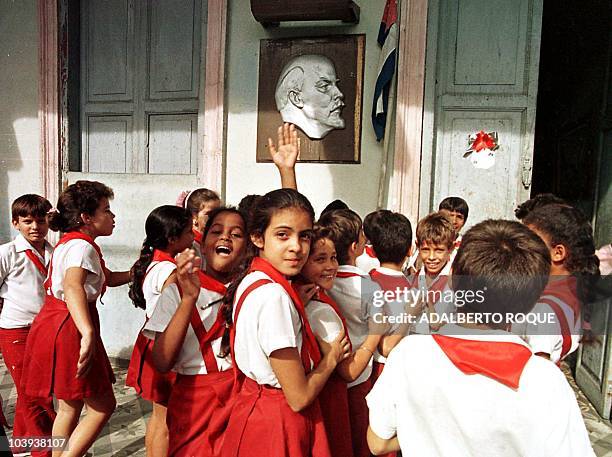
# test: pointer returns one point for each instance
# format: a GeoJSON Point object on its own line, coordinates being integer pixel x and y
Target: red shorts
{"type": "Point", "coordinates": [198, 413]}
{"type": "Point", "coordinates": [335, 410]}
{"type": "Point", "coordinates": [142, 375]}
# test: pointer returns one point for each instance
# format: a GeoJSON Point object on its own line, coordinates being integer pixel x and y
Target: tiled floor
{"type": "Point", "coordinates": [124, 435]}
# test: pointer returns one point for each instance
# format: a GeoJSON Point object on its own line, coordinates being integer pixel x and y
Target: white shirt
{"type": "Point", "coordinates": [189, 360]}
{"type": "Point", "coordinates": [444, 306]}
{"type": "Point", "coordinates": [77, 253]}
{"type": "Point", "coordinates": [353, 297]}
{"type": "Point", "coordinates": [545, 335]}
{"type": "Point", "coordinates": [323, 320]}
{"type": "Point", "coordinates": [367, 263]}
{"type": "Point", "coordinates": [437, 410]}
{"type": "Point", "coordinates": [155, 278]}
{"type": "Point", "coordinates": [21, 283]}
{"type": "Point", "coordinates": [268, 321]}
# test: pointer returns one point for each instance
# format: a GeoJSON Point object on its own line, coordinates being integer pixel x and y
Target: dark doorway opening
{"type": "Point", "coordinates": [573, 107]}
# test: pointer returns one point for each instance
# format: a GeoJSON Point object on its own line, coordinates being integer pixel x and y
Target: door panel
{"type": "Point", "coordinates": [172, 146]}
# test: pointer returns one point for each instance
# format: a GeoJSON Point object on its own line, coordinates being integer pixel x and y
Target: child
{"type": "Point", "coordinates": [23, 269]}
{"type": "Point", "coordinates": [457, 210]}
{"type": "Point", "coordinates": [351, 292]}
{"type": "Point", "coordinates": [536, 202]}
{"type": "Point", "coordinates": [188, 329]}
{"type": "Point", "coordinates": [64, 352]}
{"type": "Point", "coordinates": [574, 270]}
{"type": "Point", "coordinates": [168, 231]}
{"type": "Point", "coordinates": [435, 237]}
{"type": "Point", "coordinates": [199, 202]}
{"type": "Point", "coordinates": [391, 237]}
{"type": "Point", "coordinates": [368, 260]}
{"type": "Point", "coordinates": [476, 389]}
{"type": "Point", "coordinates": [276, 412]}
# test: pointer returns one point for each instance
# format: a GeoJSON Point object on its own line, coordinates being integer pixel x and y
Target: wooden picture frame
{"type": "Point", "coordinates": [346, 53]}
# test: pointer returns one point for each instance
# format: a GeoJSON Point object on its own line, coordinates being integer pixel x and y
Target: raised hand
{"type": "Point", "coordinates": [286, 154]}
{"type": "Point", "coordinates": [187, 268]}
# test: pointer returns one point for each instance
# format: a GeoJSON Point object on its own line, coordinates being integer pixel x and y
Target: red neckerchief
{"type": "Point", "coordinates": [323, 297]}
{"type": "Point", "coordinates": [499, 360]}
{"type": "Point", "coordinates": [457, 243]}
{"type": "Point", "coordinates": [36, 261]}
{"type": "Point", "coordinates": [369, 250]}
{"type": "Point", "coordinates": [312, 352]}
{"type": "Point", "coordinates": [210, 283]}
{"type": "Point", "coordinates": [197, 236]}
{"type": "Point", "coordinates": [566, 290]}
{"type": "Point", "coordinates": [346, 274]}
{"type": "Point", "coordinates": [389, 282]}
{"type": "Point", "coordinates": [162, 256]}
{"type": "Point", "coordinates": [79, 236]}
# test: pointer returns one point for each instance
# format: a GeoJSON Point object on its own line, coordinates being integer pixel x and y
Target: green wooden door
{"type": "Point", "coordinates": [485, 54]}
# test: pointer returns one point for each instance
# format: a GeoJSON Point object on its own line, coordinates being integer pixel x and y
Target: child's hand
{"type": "Point", "coordinates": [337, 350]}
{"type": "Point", "coordinates": [306, 292]}
{"type": "Point", "coordinates": [86, 356]}
{"type": "Point", "coordinates": [187, 268]}
{"type": "Point", "coordinates": [288, 150]}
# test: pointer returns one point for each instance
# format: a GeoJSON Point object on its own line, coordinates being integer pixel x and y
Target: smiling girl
{"type": "Point", "coordinates": [64, 353]}
{"type": "Point", "coordinates": [276, 413]}
{"type": "Point", "coordinates": [188, 329]}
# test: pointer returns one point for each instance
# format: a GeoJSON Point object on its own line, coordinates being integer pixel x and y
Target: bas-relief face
{"type": "Point", "coordinates": [320, 101]}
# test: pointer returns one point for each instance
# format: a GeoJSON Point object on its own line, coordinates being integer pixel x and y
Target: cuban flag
{"type": "Point", "coordinates": [387, 38]}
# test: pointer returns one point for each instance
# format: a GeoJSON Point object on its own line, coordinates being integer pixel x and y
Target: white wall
{"type": "Point", "coordinates": [357, 185]}
{"type": "Point", "coordinates": [19, 133]}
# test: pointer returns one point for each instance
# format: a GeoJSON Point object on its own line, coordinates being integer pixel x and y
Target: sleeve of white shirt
{"type": "Point", "coordinates": [381, 400]}
{"type": "Point", "coordinates": [82, 255]}
{"type": "Point", "coordinates": [568, 436]}
{"type": "Point", "coordinates": [5, 262]}
{"type": "Point", "coordinates": [164, 270]}
{"type": "Point", "coordinates": [167, 305]}
{"type": "Point", "coordinates": [277, 319]}
{"type": "Point", "coordinates": [324, 321]}
{"type": "Point", "coordinates": [544, 337]}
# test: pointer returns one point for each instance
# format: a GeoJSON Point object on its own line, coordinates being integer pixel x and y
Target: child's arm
{"type": "Point", "coordinates": [168, 343]}
{"type": "Point", "coordinates": [388, 342]}
{"type": "Point", "coordinates": [76, 301]}
{"type": "Point", "coordinates": [379, 446]}
{"type": "Point", "coordinates": [116, 278]}
{"type": "Point", "coordinates": [351, 368]}
{"type": "Point", "coordinates": [286, 155]}
{"type": "Point", "coordinates": [301, 389]}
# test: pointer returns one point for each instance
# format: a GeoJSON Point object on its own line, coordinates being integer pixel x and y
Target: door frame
{"type": "Point", "coordinates": [53, 99]}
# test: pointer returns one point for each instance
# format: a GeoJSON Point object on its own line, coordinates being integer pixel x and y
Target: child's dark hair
{"type": "Point", "coordinates": [196, 198]}
{"type": "Point", "coordinates": [336, 204]}
{"type": "Point", "coordinates": [345, 226]}
{"type": "Point", "coordinates": [162, 224]}
{"type": "Point", "coordinates": [247, 205]}
{"type": "Point", "coordinates": [368, 228]}
{"type": "Point", "coordinates": [568, 226]}
{"type": "Point", "coordinates": [78, 198]}
{"type": "Point", "coordinates": [538, 201]}
{"type": "Point", "coordinates": [436, 228]}
{"type": "Point", "coordinates": [30, 205]}
{"type": "Point", "coordinates": [503, 263]}
{"type": "Point", "coordinates": [262, 214]}
{"type": "Point", "coordinates": [222, 209]}
{"type": "Point", "coordinates": [391, 235]}
{"type": "Point", "coordinates": [457, 204]}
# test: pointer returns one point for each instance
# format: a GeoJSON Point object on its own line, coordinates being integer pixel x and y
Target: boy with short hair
{"type": "Point", "coordinates": [497, 398]}
{"type": "Point", "coordinates": [368, 260]}
{"type": "Point", "coordinates": [23, 270]}
{"type": "Point", "coordinates": [349, 293]}
{"type": "Point", "coordinates": [435, 236]}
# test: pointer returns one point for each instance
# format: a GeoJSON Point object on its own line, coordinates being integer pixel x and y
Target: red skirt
{"type": "Point", "coordinates": [52, 354]}
{"type": "Point", "coordinates": [358, 409]}
{"type": "Point", "coordinates": [262, 424]}
{"type": "Point", "coordinates": [335, 410]}
{"type": "Point", "coordinates": [142, 375]}
{"type": "Point", "coordinates": [198, 413]}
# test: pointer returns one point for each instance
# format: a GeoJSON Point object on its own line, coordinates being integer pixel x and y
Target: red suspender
{"type": "Point", "coordinates": [565, 330]}
{"type": "Point", "coordinates": [37, 263]}
{"type": "Point", "coordinates": [205, 338]}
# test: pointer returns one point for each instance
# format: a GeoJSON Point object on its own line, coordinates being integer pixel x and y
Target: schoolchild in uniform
{"type": "Point", "coordinates": [168, 231]}
{"type": "Point", "coordinates": [199, 202]}
{"type": "Point", "coordinates": [188, 328]}
{"type": "Point", "coordinates": [351, 291]}
{"type": "Point", "coordinates": [457, 210]}
{"type": "Point", "coordinates": [391, 237]}
{"type": "Point", "coordinates": [276, 412]}
{"type": "Point", "coordinates": [23, 269]}
{"type": "Point", "coordinates": [477, 389]}
{"type": "Point", "coordinates": [574, 270]}
{"type": "Point", "coordinates": [368, 260]}
{"type": "Point", "coordinates": [435, 236]}
{"type": "Point", "coordinates": [64, 352]}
